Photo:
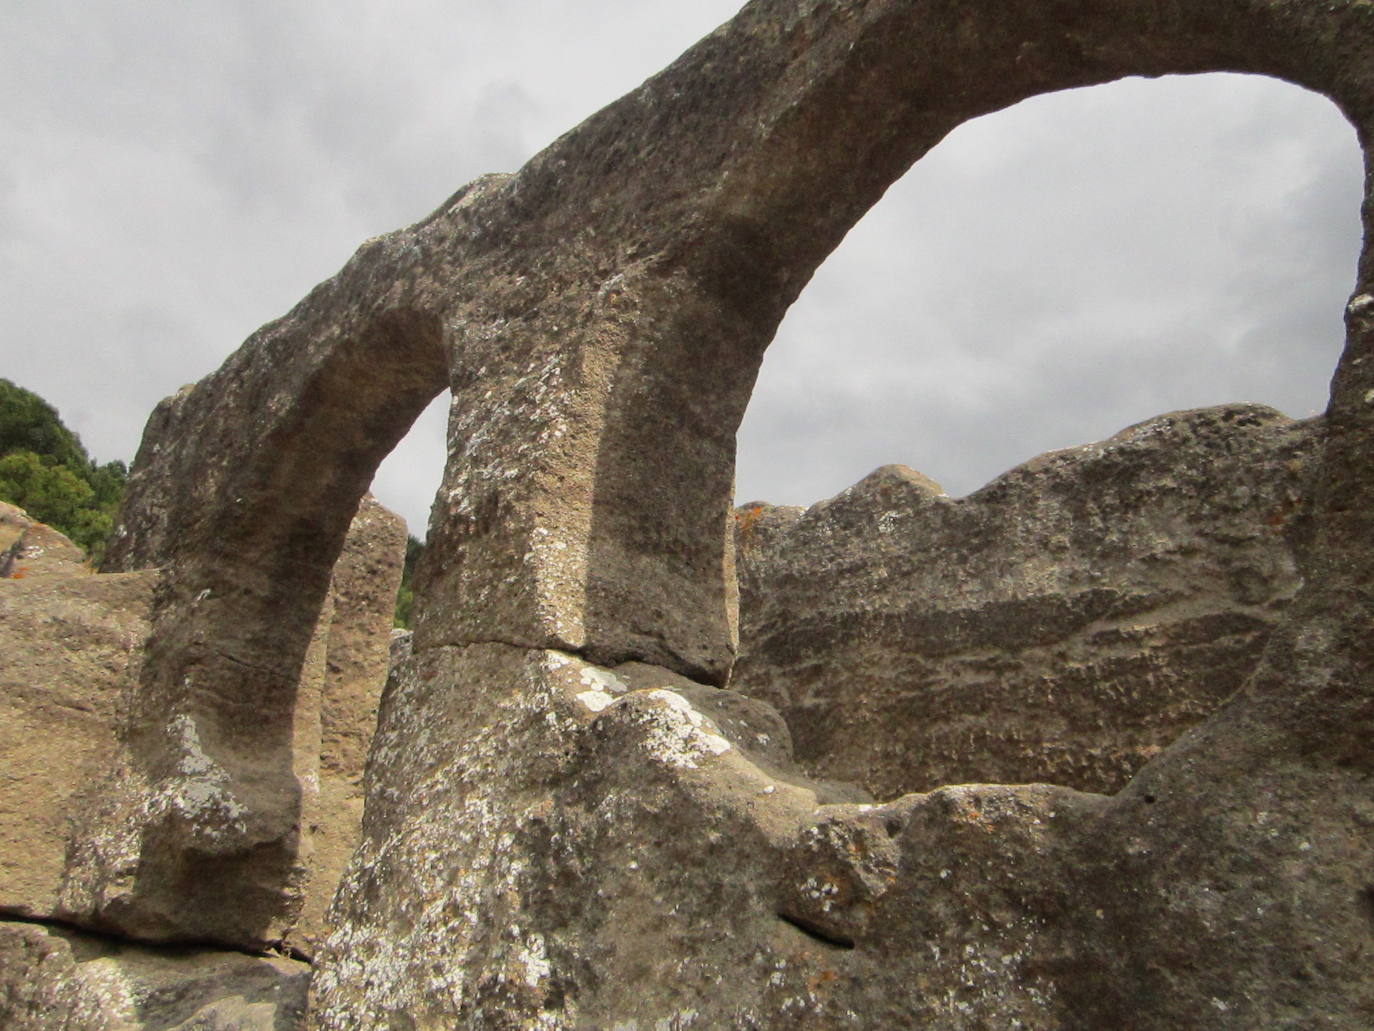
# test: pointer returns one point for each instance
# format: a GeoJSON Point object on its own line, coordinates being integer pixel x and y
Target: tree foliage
{"type": "Point", "coordinates": [405, 597]}
{"type": "Point", "coordinates": [28, 423]}
{"type": "Point", "coordinates": [45, 470]}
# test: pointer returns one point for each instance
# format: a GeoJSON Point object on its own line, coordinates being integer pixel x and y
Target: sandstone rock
{"type": "Point", "coordinates": [549, 821]}
{"type": "Point", "coordinates": [13, 522]}
{"type": "Point", "coordinates": [154, 849]}
{"type": "Point", "coordinates": [68, 650]}
{"type": "Point", "coordinates": [29, 548]}
{"type": "Point", "coordinates": [356, 657]}
{"type": "Point", "coordinates": [1063, 624]}
{"type": "Point", "coordinates": [554, 845]}
{"type": "Point", "coordinates": [59, 980]}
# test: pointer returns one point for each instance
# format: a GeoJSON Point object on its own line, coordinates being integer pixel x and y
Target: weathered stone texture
{"type": "Point", "coordinates": [144, 843]}
{"type": "Point", "coordinates": [1062, 624]}
{"type": "Point", "coordinates": [355, 656]}
{"type": "Point", "coordinates": [60, 980]}
{"type": "Point", "coordinates": [554, 845]}
{"type": "Point", "coordinates": [576, 845]}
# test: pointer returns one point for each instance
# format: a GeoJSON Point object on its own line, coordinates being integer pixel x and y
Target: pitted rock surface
{"type": "Point", "coordinates": [1063, 624]}
{"type": "Point", "coordinates": [68, 651]}
{"type": "Point", "coordinates": [354, 657]}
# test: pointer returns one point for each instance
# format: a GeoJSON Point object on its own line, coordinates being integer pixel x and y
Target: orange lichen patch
{"type": "Point", "coordinates": [746, 519]}
{"type": "Point", "coordinates": [820, 979]}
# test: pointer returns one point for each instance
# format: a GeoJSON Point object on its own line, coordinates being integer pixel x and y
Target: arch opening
{"type": "Point", "coordinates": [1160, 246]}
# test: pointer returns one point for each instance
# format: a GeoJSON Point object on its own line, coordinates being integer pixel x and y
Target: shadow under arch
{"type": "Point", "coordinates": [247, 527]}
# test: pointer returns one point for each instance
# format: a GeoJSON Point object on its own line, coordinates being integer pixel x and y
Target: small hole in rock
{"type": "Point", "coordinates": [1366, 903]}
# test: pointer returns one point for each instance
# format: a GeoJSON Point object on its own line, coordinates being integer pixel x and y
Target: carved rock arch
{"type": "Point", "coordinates": [604, 312]}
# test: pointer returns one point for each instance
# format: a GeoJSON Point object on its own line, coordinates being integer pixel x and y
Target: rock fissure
{"type": "Point", "coordinates": [113, 940]}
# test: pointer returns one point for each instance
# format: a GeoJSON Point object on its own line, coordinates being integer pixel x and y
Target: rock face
{"type": "Point", "coordinates": [1063, 624]}
{"type": "Point", "coordinates": [542, 849]}
{"type": "Point", "coordinates": [355, 653]}
{"type": "Point", "coordinates": [550, 821]}
{"type": "Point", "coordinates": [71, 653]}
{"type": "Point", "coordinates": [551, 844]}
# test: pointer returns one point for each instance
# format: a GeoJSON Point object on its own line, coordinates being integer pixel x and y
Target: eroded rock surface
{"type": "Point", "coordinates": [355, 656]}
{"type": "Point", "coordinates": [68, 651]}
{"type": "Point", "coordinates": [1063, 624]}
{"type": "Point", "coordinates": [578, 847]}
{"type": "Point", "coordinates": [555, 845]}
{"type": "Point", "coordinates": [31, 549]}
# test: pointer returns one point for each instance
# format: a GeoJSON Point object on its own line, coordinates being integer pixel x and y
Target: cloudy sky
{"type": "Point", "coordinates": [174, 175]}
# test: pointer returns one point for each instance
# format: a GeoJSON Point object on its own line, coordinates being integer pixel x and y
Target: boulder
{"type": "Point", "coordinates": [68, 650]}
{"type": "Point", "coordinates": [1063, 624]}
{"type": "Point", "coordinates": [546, 821]}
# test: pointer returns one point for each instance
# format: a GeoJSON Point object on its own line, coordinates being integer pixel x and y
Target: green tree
{"type": "Point", "coordinates": [28, 423]}
{"type": "Point", "coordinates": [45, 471]}
{"type": "Point", "coordinates": [49, 492]}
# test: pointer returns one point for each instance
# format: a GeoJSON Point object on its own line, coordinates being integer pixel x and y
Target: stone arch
{"type": "Point", "coordinates": [246, 515]}
{"type": "Point", "coordinates": [604, 311]}
{"type": "Point", "coordinates": [772, 217]}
